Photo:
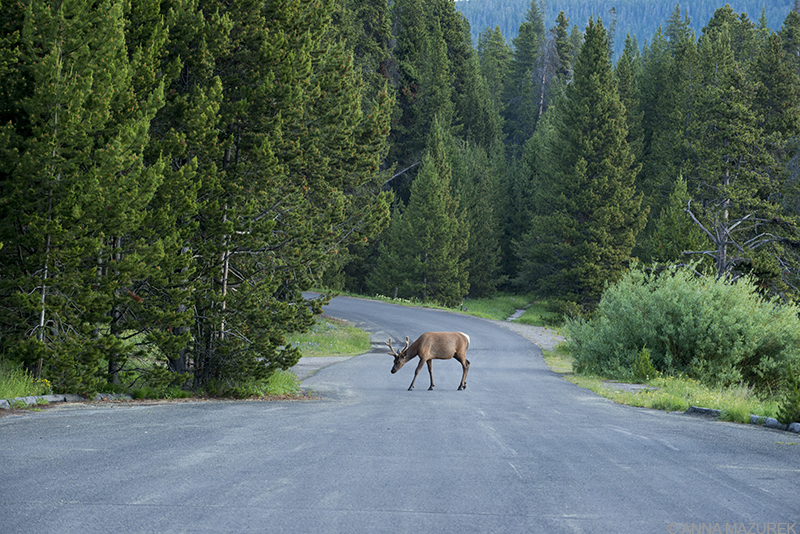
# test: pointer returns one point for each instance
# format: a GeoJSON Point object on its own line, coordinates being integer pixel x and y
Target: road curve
{"type": "Point", "coordinates": [520, 450]}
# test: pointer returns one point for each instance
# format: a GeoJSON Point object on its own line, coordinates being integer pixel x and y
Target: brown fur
{"type": "Point", "coordinates": [433, 346]}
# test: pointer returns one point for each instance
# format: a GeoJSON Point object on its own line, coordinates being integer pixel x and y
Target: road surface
{"type": "Point", "coordinates": [520, 450]}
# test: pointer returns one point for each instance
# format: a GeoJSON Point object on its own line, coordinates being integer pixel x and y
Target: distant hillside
{"type": "Point", "coordinates": [637, 17]}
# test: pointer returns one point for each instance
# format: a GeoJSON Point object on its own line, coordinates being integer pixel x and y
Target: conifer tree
{"type": "Point", "coordinates": [475, 182]}
{"type": "Point", "coordinates": [732, 172]}
{"type": "Point", "coordinates": [674, 233]}
{"type": "Point", "coordinates": [425, 81]}
{"type": "Point", "coordinates": [74, 185]}
{"type": "Point", "coordinates": [522, 99]}
{"type": "Point", "coordinates": [627, 83]}
{"type": "Point", "coordinates": [594, 210]}
{"type": "Point", "coordinates": [790, 38]}
{"type": "Point", "coordinates": [424, 252]}
{"type": "Point", "coordinates": [295, 180]}
{"type": "Point", "coordinates": [678, 26]}
{"type": "Point", "coordinates": [495, 60]}
{"type": "Point", "coordinates": [565, 46]}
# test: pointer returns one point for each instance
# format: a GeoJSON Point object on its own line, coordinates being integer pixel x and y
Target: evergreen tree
{"type": "Point", "coordinates": [674, 232]}
{"type": "Point", "coordinates": [678, 27]}
{"type": "Point", "coordinates": [627, 83]}
{"type": "Point", "coordinates": [522, 97]}
{"type": "Point", "coordinates": [495, 60]}
{"type": "Point", "coordinates": [425, 81]}
{"type": "Point", "coordinates": [475, 181]}
{"type": "Point", "coordinates": [565, 46]}
{"type": "Point", "coordinates": [74, 183]}
{"type": "Point", "coordinates": [732, 172]}
{"type": "Point", "coordinates": [585, 239]}
{"type": "Point", "coordinates": [424, 253]}
{"type": "Point", "coordinates": [790, 38]}
{"type": "Point", "coordinates": [297, 170]}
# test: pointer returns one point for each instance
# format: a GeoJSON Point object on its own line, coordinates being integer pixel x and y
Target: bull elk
{"type": "Point", "coordinates": [433, 346]}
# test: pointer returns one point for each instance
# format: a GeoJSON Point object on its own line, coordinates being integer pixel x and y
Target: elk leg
{"type": "Point", "coordinates": [419, 368]}
{"type": "Point", "coordinates": [430, 372]}
{"type": "Point", "coordinates": [465, 364]}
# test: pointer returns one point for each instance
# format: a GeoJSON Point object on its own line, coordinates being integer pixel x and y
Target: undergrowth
{"type": "Point", "coordinates": [671, 393]}
{"type": "Point", "coordinates": [16, 382]}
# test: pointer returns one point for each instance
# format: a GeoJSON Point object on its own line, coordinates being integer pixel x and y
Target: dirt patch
{"type": "Point", "coordinates": [543, 337]}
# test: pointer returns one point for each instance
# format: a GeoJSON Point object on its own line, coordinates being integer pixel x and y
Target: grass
{"type": "Point", "coordinates": [331, 337]}
{"type": "Point", "coordinates": [537, 315]}
{"type": "Point", "coordinates": [736, 402]}
{"type": "Point", "coordinates": [498, 308]}
{"type": "Point", "coordinates": [15, 382]}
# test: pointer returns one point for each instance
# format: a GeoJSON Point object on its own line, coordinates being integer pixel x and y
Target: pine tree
{"type": "Point", "coordinates": [678, 26]}
{"type": "Point", "coordinates": [75, 185]}
{"type": "Point", "coordinates": [731, 170]}
{"type": "Point", "coordinates": [594, 211]}
{"type": "Point", "coordinates": [627, 83]}
{"type": "Point", "coordinates": [564, 46]}
{"type": "Point", "coordinates": [790, 38]}
{"type": "Point", "coordinates": [475, 181]}
{"type": "Point", "coordinates": [424, 253]}
{"type": "Point", "coordinates": [522, 97]}
{"type": "Point", "coordinates": [674, 233]}
{"type": "Point", "coordinates": [495, 59]}
{"type": "Point", "coordinates": [295, 180]}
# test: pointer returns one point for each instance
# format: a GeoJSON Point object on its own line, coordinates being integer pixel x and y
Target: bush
{"type": "Point", "coordinates": [789, 406]}
{"type": "Point", "coordinates": [717, 332]}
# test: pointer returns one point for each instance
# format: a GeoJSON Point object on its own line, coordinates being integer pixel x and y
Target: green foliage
{"type": "Point", "coordinates": [636, 17]}
{"type": "Point", "coordinates": [674, 232]}
{"type": "Point", "coordinates": [424, 254]}
{"type": "Point", "coordinates": [331, 338]}
{"type": "Point", "coordinates": [584, 229]}
{"type": "Point", "coordinates": [789, 405]}
{"type": "Point", "coordinates": [499, 308]}
{"type": "Point", "coordinates": [717, 332]}
{"type": "Point", "coordinates": [280, 383]}
{"type": "Point", "coordinates": [15, 381]}
{"type": "Point", "coordinates": [643, 369]}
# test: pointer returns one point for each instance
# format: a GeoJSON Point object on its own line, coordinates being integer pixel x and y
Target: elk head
{"type": "Point", "coordinates": [400, 358]}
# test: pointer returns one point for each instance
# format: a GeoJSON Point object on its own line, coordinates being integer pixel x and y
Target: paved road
{"type": "Point", "coordinates": [520, 450]}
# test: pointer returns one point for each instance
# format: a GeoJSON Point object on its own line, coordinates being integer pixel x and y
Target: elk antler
{"type": "Point", "coordinates": [394, 353]}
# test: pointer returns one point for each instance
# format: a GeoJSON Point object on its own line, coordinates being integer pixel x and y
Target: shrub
{"type": "Point", "coordinates": [643, 369]}
{"type": "Point", "coordinates": [789, 406]}
{"type": "Point", "coordinates": [717, 332]}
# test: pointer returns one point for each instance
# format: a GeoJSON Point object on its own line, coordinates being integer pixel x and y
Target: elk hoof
{"type": "Point", "coordinates": [462, 386]}
{"type": "Point", "coordinates": [410, 388]}
{"type": "Point", "coordinates": [430, 388]}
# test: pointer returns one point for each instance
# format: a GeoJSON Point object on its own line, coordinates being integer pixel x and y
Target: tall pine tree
{"type": "Point", "coordinates": [582, 235]}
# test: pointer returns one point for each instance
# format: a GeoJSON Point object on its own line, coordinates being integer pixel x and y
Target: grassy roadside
{"type": "Point", "coordinates": [669, 393]}
{"type": "Point", "coordinates": [498, 308]}
{"type": "Point", "coordinates": [331, 337]}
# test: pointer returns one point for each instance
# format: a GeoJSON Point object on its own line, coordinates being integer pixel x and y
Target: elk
{"type": "Point", "coordinates": [433, 346]}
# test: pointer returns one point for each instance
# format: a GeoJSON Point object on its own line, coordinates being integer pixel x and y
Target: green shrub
{"type": "Point", "coordinates": [717, 332]}
{"type": "Point", "coordinates": [789, 405]}
{"type": "Point", "coordinates": [643, 369]}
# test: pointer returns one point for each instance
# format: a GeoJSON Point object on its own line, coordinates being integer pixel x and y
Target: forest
{"type": "Point", "coordinates": [637, 18]}
{"type": "Point", "coordinates": [177, 173]}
